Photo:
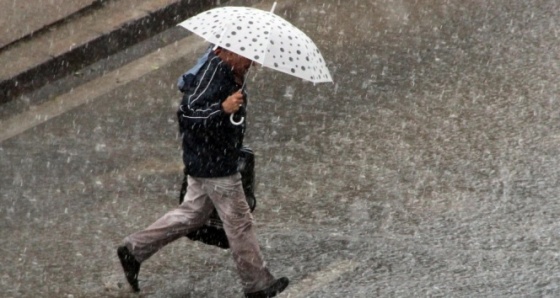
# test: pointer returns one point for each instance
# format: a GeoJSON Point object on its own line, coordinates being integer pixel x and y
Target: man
{"type": "Point", "coordinates": [211, 145]}
{"type": "Point", "coordinates": [212, 232]}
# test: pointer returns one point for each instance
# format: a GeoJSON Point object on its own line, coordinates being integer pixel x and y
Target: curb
{"type": "Point", "coordinates": [104, 45]}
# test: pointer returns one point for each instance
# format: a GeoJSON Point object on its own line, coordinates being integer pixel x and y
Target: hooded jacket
{"type": "Point", "coordinates": [211, 143]}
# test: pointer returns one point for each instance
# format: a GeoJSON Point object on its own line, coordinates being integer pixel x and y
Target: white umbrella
{"type": "Point", "coordinates": [262, 37]}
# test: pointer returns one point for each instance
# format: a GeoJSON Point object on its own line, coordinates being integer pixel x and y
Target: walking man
{"type": "Point", "coordinates": [212, 114]}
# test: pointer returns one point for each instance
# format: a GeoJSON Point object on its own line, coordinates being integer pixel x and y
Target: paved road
{"type": "Point", "coordinates": [429, 168]}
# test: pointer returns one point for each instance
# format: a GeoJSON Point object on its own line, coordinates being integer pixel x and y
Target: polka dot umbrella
{"type": "Point", "coordinates": [262, 37]}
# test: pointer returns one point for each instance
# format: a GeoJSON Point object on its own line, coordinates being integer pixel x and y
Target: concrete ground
{"type": "Point", "coordinates": [429, 168]}
{"type": "Point", "coordinates": [22, 18]}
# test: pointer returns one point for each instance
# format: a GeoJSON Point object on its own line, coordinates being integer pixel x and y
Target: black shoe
{"type": "Point", "coordinates": [131, 267]}
{"type": "Point", "coordinates": [279, 285]}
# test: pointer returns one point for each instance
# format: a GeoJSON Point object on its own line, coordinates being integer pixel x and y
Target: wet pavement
{"type": "Point", "coordinates": [428, 168]}
{"type": "Point", "coordinates": [22, 18]}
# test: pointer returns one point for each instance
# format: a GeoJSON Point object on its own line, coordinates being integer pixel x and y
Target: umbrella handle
{"type": "Point", "coordinates": [236, 123]}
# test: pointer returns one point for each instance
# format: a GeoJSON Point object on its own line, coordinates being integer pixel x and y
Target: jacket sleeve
{"type": "Point", "coordinates": [202, 105]}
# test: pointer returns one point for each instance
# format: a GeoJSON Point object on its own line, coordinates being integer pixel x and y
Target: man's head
{"type": "Point", "coordinates": [239, 64]}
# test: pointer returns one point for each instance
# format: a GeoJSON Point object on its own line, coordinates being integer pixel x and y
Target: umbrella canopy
{"type": "Point", "coordinates": [262, 37]}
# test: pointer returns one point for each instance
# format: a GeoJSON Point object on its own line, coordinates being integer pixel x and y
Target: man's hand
{"type": "Point", "coordinates": [233, 102]}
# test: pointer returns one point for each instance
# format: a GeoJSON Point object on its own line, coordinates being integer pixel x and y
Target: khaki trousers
{"type": "Point", "coordinates": [226, 194]}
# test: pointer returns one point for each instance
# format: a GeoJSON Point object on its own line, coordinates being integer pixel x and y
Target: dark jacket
{"type": "Point", "coordinates": [211, 143]}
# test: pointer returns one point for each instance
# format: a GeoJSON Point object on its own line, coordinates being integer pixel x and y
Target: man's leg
{"type": "Point", "coordinates": [212, 232]}
{"type": "Point", "coordinates": [189, 216]}
{"type": "Point", "coordinates": [227, 195]}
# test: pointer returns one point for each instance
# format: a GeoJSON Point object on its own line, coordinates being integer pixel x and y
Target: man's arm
{"type": "Point", "coordinates": [202, 104]}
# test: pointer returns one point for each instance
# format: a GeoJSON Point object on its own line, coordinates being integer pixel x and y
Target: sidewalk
{"type": "Point", "coordinates": [41, 44]}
